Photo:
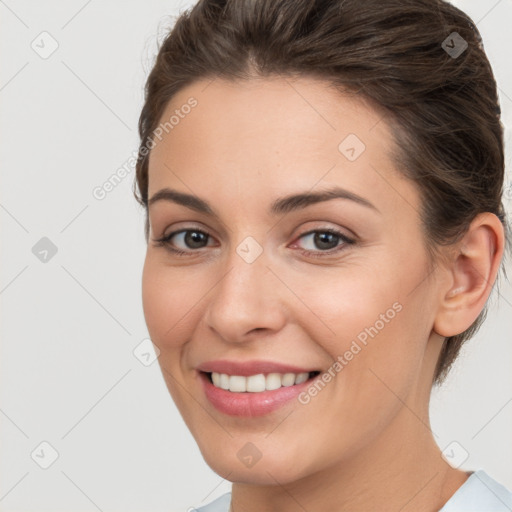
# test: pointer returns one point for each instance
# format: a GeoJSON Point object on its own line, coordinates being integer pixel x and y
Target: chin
{"type": "Point", "coordinates": [272, 468]}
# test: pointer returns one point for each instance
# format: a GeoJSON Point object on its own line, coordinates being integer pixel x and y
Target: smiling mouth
{"type": "Point", "coordinates": [258, 383]}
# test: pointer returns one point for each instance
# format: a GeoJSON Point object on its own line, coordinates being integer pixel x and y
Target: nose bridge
{"type": "Point", "coordinates": [245, 298]}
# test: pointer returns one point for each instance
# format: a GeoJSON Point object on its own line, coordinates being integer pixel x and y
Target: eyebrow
{"type": "Point", "coordinates": [282, 205]}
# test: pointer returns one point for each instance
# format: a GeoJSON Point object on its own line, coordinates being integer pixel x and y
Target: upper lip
{"type": "Point", "coordinates": [247, 368]}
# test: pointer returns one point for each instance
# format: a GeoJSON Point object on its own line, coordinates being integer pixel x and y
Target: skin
{"type": "Point", "coordinates": [365, 438]}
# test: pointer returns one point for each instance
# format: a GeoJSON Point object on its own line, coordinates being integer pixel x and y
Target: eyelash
{"type": "Point", "coordinates": [165, 242]}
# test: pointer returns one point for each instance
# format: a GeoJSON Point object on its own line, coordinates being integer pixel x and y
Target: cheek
{"type": "Point", "coordinates": [372, 321]}
{"type": "Point", "coordinates": [351, 306]}
{"type": "Point", "coordinates": [165, 312]}
{"type": "Point", "coordinates": [166, 299]}
{"type": "Point", "coordinates": [153, 299]}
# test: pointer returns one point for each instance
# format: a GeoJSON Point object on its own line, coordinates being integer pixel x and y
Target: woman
{"type": "Point", "coordinates": [322, 182]}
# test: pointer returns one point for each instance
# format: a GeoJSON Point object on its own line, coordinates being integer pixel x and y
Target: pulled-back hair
{"type": "Point", "coordinates": [399, 55]}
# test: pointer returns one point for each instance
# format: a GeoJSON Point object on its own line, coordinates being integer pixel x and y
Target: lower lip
{"type": "Point", "coordinates": [250, 404]}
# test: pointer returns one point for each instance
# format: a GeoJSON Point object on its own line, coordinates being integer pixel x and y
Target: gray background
{"type": "Point", "coordinates": [70, 324]}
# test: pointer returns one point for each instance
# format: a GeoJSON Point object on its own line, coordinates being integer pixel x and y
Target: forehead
{"type": "Point", "coordinates": [279, 110]}
{"type": "Point", "coordinates": [270, 133]}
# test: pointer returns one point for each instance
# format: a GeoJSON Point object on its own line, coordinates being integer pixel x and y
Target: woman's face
{"type": "Point", "coordinates": [268, 284]}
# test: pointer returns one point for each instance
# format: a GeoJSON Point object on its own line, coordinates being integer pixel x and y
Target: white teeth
{"type": "Point", "coordinates": [288, 379]}
{"type": "Point", "coordinates": [224, 381]}
{"type": "Point", "coordinates": [301, 377]}
{"type": "Point", "coordinates": [273, 381]}
{"type": "Point", "coordinates": [237, 383]}
{"type": "Point", "coordinates": [257, 383]}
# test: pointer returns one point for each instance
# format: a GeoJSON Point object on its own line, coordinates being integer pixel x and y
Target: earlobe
{"type": "Point", "coordinates": [473, 270]}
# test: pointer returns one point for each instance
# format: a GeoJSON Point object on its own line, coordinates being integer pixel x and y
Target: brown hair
{"type": "Point", "coordinates": [400, 55]}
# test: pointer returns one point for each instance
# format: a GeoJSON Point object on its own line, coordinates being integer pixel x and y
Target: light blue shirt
{"type": "Point", "coordinates": [479, 493]}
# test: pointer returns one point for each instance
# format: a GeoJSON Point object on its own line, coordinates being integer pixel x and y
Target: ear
{"type": "Point", "coordinates": [472, 269]}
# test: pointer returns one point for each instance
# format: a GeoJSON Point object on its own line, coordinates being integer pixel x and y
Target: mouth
{"type": "Point", "coordinates": [258, 383]}
{"type": "Point", "coordinates": [254, 395]}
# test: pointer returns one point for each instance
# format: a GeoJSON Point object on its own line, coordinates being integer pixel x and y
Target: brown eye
{"type": "Point", "coordinates": [188, 240]}
{"type": "Point", "coordinates": [326, 241]}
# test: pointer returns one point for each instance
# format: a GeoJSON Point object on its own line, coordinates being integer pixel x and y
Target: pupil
{"type": "Point", "coordinates": [194, 237]}
{"type": "Point", "coordinates": [320, 239]}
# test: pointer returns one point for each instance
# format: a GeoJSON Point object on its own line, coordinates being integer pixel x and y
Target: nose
{"type": "Point", "coordinates": [247, 300]}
